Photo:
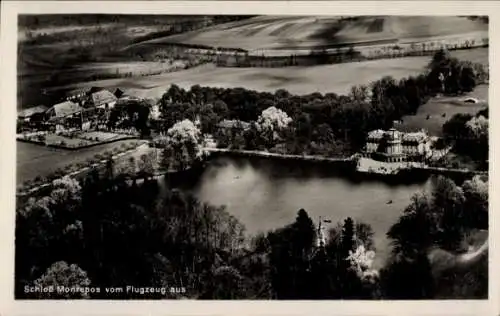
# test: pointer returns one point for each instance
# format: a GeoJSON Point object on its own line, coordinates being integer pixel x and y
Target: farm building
{"type": "Point", "coordinates": [230, 124]}
{"type": "Point", "coordinates": [63, 110]}
{"type": "Point", "coordinates": [396, 146]}
{"type": "Point", "coordinates": [103, 99]}
{"type": "Point", "coordinates": [27, 114]}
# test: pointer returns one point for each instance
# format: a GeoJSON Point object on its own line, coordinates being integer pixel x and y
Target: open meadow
{"type": "Point", "coordinates": [336, 78]}
{"type": "Point", "coordinates": [37, 160]}
{"type": "Point", "coordinates": [432, 115]}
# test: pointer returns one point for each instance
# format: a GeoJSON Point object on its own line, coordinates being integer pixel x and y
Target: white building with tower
{"type": "Point", "coordinates": [396, 146]}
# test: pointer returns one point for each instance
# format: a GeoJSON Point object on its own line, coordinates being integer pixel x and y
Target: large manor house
{"type": "Point", "coordinates": [396, 146]}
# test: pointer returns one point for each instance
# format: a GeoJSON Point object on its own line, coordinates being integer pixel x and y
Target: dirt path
{"type": "Point", "coordinates": [471, 256]}
{"type": "Point", "coordinates": [443, 261]}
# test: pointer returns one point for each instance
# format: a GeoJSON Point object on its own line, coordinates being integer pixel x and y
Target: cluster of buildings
{"type": "Point", "coordinates": [78, 106]}
{"type": "Point", "coordinates": [396, 146]}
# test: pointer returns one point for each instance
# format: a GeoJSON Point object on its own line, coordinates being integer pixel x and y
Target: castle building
{"type": "Point", "coordinates": [396, 146]}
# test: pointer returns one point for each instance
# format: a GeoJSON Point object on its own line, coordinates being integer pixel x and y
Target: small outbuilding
{"type": "Point", "coordinates": [103, 99]}
{"type": "Point", "coordinates": [63, 110]}
{"type": "Point", "coordinates": [28, 113]}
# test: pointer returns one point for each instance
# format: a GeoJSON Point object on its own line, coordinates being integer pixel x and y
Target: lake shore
{"type": "Point", "coordinates": [352, 162]}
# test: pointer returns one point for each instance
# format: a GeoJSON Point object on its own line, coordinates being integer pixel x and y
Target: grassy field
{"type": "Point", "coordinates": [337, 78]}
{"type": "Point", "coordinates": [96, 48]}
{"type": "Point", "coordinates": [36, 160]}
{"type": "Point", "coordinates": [278, 32]}
{"type": "Point", "coordinates": [436, 107]}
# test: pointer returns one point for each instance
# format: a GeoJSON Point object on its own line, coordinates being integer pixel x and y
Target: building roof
{"type": "Point", "coordinates": [65, 109]}
{"type": "Point", "coordinates": [32, 110]}
{"type": "Point", "coordinates": [128, 100]}
{"type": "Point", "coordinates": [395, 134]}
{"type": "Point", "coordinates": [94, 90]}
{"type": "Point", "coordinates": [414, 137]}
{"type": "Point", "coordinates": [233, 123]}
{"type": "Point", "coordinates": [75, 93]}
{"type": "Point", "coordinates": [406, 128]}
{"type": "Point", "coordinates": [102, 97]}
{"type": "Point", "coordinates": [376, 134]}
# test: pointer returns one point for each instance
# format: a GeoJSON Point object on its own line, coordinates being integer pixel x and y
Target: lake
{"type": "Point", "coordinates": [265, 194]}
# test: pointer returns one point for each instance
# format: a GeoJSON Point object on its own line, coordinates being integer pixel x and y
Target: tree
{"type": "Point", "coordinates": [172, 113]}
{"type": "Point", "coordinates": [359, 93]}
{"type": "Point", "coordinates": [304, 232]}
{"type": "Point", "coordinates": [303, 127]}
{"type": "Point", "coordinates": [440, 59]}
{"type": "Point", "coordinates": [253, 138]}
{"type": "Point", "coordinates": [447, 206]}
{"type": "Point", "coordinates": [183, 141]}
{"type": "Point", "coordinates": [289, 257]}
{"type": "Point", "coordinates": [347, 239]}
{"type": "Point", "coordinates": [468, 78]}
{"type": "Point", "coordinates": [455, 127]}
{"type": "Point", "coordinates": [364, 235]}
{"type": "Point", "coordinates": [221, 109]}
{"type": "Point", "coordinates": [61, 274]}
{"type": "Point", "coordinates": [66, 190]}
{"type": "Point", "coordinates": [146, 164]}
{"type": "Point", "coordinates": [476, 205]}
{"type": "Point", "coordinates": [416, 228]}
{"type": "Point", "coordinates": [478, 125]}
{"type": "Point", "coordinates": [209, 119]}
{"type": "Point", "coordinates": [226, 284]}
{"type": "Point", "coordinates": [408, 278]}
{"type": "Point", "coordinates": [361, 261]}
{"type": "Point", "coordinates": [271, 123]}
{"type": "Point", "coordinates": [173, 95]}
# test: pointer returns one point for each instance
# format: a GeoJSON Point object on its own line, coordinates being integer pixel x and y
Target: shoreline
{"type": "Point", "coordinates": [348, 161]}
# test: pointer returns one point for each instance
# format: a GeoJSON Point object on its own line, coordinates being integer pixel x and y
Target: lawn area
{"type": "Point", "coordinates": [449, 106]}
{"type": "Point", "coordinates": [35, 160]}
{"type": "Point", "coordinates": [337, 78]}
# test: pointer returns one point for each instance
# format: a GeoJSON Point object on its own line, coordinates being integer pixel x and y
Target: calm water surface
{"type": "Point", "coordinates": [266, 194]}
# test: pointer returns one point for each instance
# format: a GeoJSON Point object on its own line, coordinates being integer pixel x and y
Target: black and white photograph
{"type": "Point", "coordinates": [251, 157]}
